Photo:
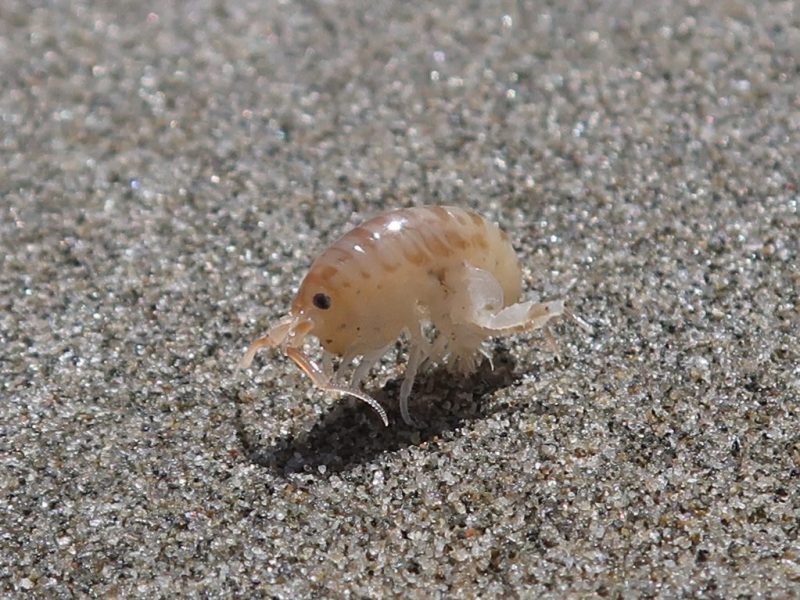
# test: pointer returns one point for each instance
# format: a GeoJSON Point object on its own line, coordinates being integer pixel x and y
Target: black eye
{"type": "Point", "coordinates": [322, 301]}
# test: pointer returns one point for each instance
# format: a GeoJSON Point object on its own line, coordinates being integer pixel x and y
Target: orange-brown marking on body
{"type": "Point", "coordinates": [389, 268]}
{"type": "Point", "coordinates": [441, 212]}
{"type": "Point", "coordinates": [413, 248]}
{"type": "Point", "coordinates": [461, 217]}
{"type": "Point", "coordinates": [454, 239]}
{"type": "Point", "coordinates": [361, 236]}
{"type": "Point", "coordinates": [476, 219]}
{"type": "Point", "coordinates": [479, 239]}
{"type": "Point", "coordinates": [327, 272]}
{"type": "Point", "coordinates": [312, 280]}
{"type": "Point", "coordinates": [341, 255]}
{"type": "Point", "coordinates": [415, 258]}
{"type": "Point", "coordinates": [365, 237]}
{"type": "Point", "coordinates": [434, 244]}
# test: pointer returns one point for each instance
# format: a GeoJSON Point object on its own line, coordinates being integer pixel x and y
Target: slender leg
{"type": "Point", "coordinates": [439, 347]}
{"type": "Point", "coordinates": [488, 357]}
{"type": "Point", "coordinates": [551, 341]}
{"type": "Point", "coordinates": [327, 364]}
{"type": "Point", "coordinates": [344, 366]}
{"type": "Point", "coordinates": [367, 362]}
{"type": "Point", "coordinates": [416, 356]}
{"type": "Point", "coordinates": [247, 359]}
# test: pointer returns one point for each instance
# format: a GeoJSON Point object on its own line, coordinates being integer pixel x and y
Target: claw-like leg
{"type": "Point", "coordinates": [524, 316]}
{"type": "Point", "coordinates": [247, 359]}
{"type": "Point", "coordinates": [319, 379]}
{"type": "Point", "coordinates": [280, 332]}
{"type": "Point", "coordinates": [483, 305]}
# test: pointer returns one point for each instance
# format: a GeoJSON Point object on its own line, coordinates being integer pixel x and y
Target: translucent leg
{"type": "Point", "coordinates": [551, 341]}
{"type": "Point", "coordinates": [439, 348]}
{"type": "Point", "coordinates": [275, 336]}
{"type": "Point", "coordinates": [247, 359]}
{"type": "Point", "coordinates": [488, 357]}
{"type": "Point", "coordinates": [367, 362]}
{"type": "Point", "coordinates": [327, 364]}
{"type": "Point", "coordinates": [344, 366]}
{"type": "Point", "coordinates": [416, 356]}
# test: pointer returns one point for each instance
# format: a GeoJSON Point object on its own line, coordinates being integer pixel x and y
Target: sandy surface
{"type": "Point", "coordinates": [166, 179]}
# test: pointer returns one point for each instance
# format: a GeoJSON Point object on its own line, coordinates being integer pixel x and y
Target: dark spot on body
{"type": "Point", "coordinates": [322, 301]}
{"type": "Point", "coordinates": [439, 275]}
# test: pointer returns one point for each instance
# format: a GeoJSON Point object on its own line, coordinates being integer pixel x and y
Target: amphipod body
{"type": "Point", "coordinates": [393, 275]}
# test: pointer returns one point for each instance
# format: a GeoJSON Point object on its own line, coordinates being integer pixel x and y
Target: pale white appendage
{"type": "Point", "coordinates": [367, 362]}
{"type": "Point", "coordinates": [275, 337]}
{"type": "Point", "coordinates": [416, 356]}
{"type": "Point", "coordinates": [480, 306]}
